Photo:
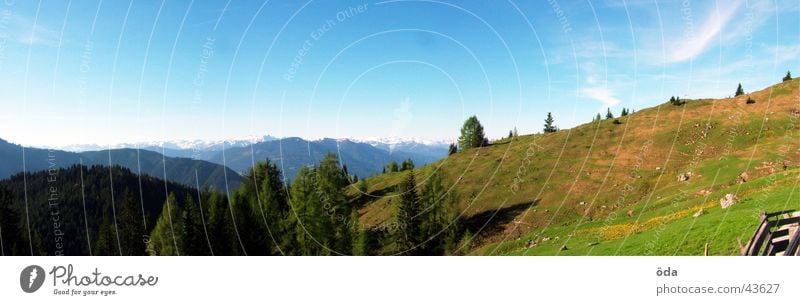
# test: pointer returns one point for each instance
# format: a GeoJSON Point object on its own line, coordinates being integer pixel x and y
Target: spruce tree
{"type": "Point", "coordinates": [440, 224]}
{"type": "Point", "coordinates": [272, 198]}
{"type": "Point", "coordinates": [408, 235]}
{"type": "Point", "coordinates": [471, 134]}
{"type": "Point", "coordinates": [739, 90]}
{"type": "Point", "coordinates": [106, 242]}
{"type": "Point", "coordinates": [166, 238]}
{"type": "Point", "coordinates": [250, 227]}
{"type": "Point", "coordinates": [331, 183]}
{"type": "Point", "coordinates": [220, 228]}
{"type": "Point", "coordinates": [598, 117]}
{"type": "Point", "coordinates": [393, 167]}
{"type": "Point", "coordinates": [788, 76]}
{"type": "Point", "coordinates": [452, 149]}
{"type": "Point", "coordinates": [312, 227]}
{"type": "Point", "coordinates": [194, 241]}
{"type": "Point", "coordinates": [548, 124]}
{"type": "Point", "coordinates": [624, 112]}
{"type": "Point", "coordinates": [609, 115]}
{"type": "Point", "coordinates": [131, 225]}
{"type": "Point", "coordinates": [11, 238]}
{"type": "Point", "coordinates": [408, 164]}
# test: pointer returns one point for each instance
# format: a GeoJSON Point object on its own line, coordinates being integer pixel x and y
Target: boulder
{"type": "Point", "coordinates": [685, 176]}
{"type": "Point", "coordinates": [743, 177]}
{"type": "Point", "coordinates": [630, 213]}
{"type": "Point", "coordinates": [727, 200]}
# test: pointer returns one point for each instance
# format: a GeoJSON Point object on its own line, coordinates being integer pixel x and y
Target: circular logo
{"type": "Point", "coordinates": [31, 278]}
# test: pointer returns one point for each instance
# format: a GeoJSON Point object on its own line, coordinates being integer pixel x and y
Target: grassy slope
{"type": "Point", "coordinates": [535, 183]}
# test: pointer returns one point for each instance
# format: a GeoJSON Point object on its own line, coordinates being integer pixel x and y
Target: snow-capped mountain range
{"type": "Point", "coordinates": [185, 147]}
{"type": "Point", "coordinates": [200, 145]}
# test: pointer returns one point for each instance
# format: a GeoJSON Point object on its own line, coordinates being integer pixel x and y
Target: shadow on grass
{"type": "Point", "coordinates": [492, 222]}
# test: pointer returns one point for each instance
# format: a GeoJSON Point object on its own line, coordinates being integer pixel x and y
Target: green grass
{"type": "Point", "coordinates": [627, 167]}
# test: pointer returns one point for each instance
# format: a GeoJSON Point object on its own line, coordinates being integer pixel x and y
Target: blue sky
{"type": "Point", "coordinates": [118, 71]}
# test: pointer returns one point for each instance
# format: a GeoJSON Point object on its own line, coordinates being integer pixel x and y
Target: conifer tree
{"type": "Point", "coordinates": [331, 182]}
{"type": "Point", "coordinates": [409, 232]}
{"type": "Point", "coordinates": [609, 115]}
{"type": "Point", "coordinates": [739, 90]}
{"type": "Point", "coordinates": [192, 230]}
{"type": "Point", "coordinates": [548, 124]}
{"type": "Point", "coordinates": [166, 239]}
{"type": "Point", "coordinates": [131, 225]}
{"type": "Point", "coordinates": [440, 224]}
{"type": "Point", "coordinates": [408, 164]}
{"type": "Point", "coordinates": [452, 149]}
{"type": "Point", "coordinates": [471, 134]}
{"type": "Point", "coordinates": [788, 76]}
{"type": "Point", "coordinates": [12, 241]}
{"type": "Point", "coordinates": [312, 227]}
{"type": "Point", "coordinates": [220, 228]}
{"type": "Point", "coordinates": [106, 242]}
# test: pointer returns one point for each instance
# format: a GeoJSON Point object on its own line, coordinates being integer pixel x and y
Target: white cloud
{"type": "Point", "coordinates": [602, 94]}
{"type": "Point", "coordinates": [27, 32]}
{"type": "Point", "coordinates": [697, 40]}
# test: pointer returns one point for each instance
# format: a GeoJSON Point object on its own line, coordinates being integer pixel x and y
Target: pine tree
{"type": "Point", "coordinates": [365, 243]}
{"type": "Point", "coordinates": [11, 238]}
{"type": "Point", "coordinates": [249, 223]}
{"type": "Point", "coordinates": [272, 202]}
{"type": "Point", "coordinates": [131, 225]}
{"type": "Point", "coordinates": [452, 149]}
{"type": "Point", "coordinates": [440, 223]}
{"type": "Point", "coordinates": [312, 226]}
{"type": "Point", "coordinates": [408, 164]}
{"type": "Point", "coordinates": [609, 115]}
{"type": "Point", "coordinates": [194, 241]}
{"type": "Point", "coordinates": [548, 124]}
{"type": "Point", "coordinates": [788, 76]}
{"type": "Point", "coordinates": [393, 167]}
{"type": "Point", "coordinates": [624, 112]}
{"type": "Point", "coordinates": [598, 117]}
{"type": "Point", "coordinates": [471, 134]}
{"type": "Point", "coordinates": [331, 183]}
{"type": "Point", "coordinates": [739, 90]}
{"type": "Point", "coordinates": [409, 231]}
{"type": "Point", "coordinates": [106, 242]}
{"type": "Point", "coordinates": [166, 239]}
{"type": "Point", "coordinates": [220, 228]}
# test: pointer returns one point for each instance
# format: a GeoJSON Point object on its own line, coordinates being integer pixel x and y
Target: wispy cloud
{"type": "Point", "coordinates": [696, 40]}
{"type": "Point", "coordinates": [24, 30]}
{"type": "Point", "coordinates": [602, 94]}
